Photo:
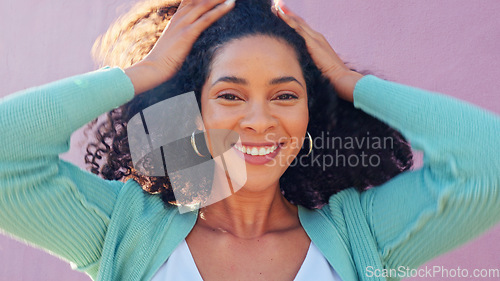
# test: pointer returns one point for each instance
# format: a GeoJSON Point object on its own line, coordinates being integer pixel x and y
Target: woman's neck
{"type": "Point", "coordinates": [251, 214]}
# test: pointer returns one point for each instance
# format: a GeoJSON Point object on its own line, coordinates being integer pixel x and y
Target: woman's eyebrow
{"type": "Point", "coordinates": [237, 80]}
{"type": "Point", "coordinates": [285, 79]}
{"type": "Point", "coordinates": [231, 79]}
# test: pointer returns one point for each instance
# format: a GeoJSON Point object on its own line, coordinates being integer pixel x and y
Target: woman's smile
{"type": "Point", "coordinates": [257, 154]}
{"type": "Point", "coordinates": [256, 89]}
{"type": "Point", "coordinates": [256, 149]}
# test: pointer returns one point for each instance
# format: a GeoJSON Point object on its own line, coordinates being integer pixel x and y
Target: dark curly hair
{"type": "Point", "coordinates": [132, 36]}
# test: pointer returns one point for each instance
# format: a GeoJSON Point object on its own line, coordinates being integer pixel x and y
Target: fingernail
{"type": "Point", "coordinates": [273, 9]}
{"type": "Point", "coordinates": [229, 2]}
{"type": "Point", "coordinates": [280, 10]}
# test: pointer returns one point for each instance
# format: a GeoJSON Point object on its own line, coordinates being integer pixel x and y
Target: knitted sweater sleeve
{"type": "Point", "coordinates": [44, 200]}
{"type": "Point", "coordinates": [455, 196]}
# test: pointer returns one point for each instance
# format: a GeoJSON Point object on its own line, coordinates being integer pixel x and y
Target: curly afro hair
{"type": "Point", "coordinates": [384, 151]}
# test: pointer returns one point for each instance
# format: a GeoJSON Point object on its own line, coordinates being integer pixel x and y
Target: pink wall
{"type": "Point", "coordinates": [450, 46]}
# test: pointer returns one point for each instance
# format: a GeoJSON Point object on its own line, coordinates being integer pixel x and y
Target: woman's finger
{"type": "Point", "coordinates": [183, 8]}
{"type": "Point", "coordinates": [320, 50]}
{"type": "Point", "coordinates": [190, 10]}
{"type": "Point", "coordinates": [183, 4]}
{"type": "Point", "coordinates": [206, 19]}
{"type": "Point", "coordinates": [297, 22]}
{"type": "Point", "coordinates": [290, 13]}
{"type": "Point", "coordinates": [202, 7]}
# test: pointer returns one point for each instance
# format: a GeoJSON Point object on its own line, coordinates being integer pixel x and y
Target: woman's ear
{"type": "Point", "coordinates": [199, 124]}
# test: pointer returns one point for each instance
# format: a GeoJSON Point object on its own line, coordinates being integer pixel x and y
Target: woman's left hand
{"type": "Point", "coordinates": [327, 60]}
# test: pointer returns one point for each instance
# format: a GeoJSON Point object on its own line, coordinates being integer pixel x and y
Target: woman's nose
{"type": "Point", "coordinates": [259, 118]}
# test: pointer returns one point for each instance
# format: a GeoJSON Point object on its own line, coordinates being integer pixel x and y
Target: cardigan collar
{"type": "Point", "coordinates": [315, 223]}
{"type": "Point", "coordinates": [324, 234]}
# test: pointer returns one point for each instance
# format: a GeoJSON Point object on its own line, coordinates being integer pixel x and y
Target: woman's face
{"type": "Point", "coordinates": [257, 90]}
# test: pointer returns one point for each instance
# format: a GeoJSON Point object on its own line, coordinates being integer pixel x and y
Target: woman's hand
{"type": "Point", "coordinates": [327, 60]}
{"type": "Point", "coordinates": [173, 46]}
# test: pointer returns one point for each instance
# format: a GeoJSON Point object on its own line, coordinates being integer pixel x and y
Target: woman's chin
{"type": "Point", "coordinates": [259, 185]}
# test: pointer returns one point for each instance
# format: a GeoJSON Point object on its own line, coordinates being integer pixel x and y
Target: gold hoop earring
{"type": "Point", "coordinates": [310, 143]}
{"type": "Point", "coordinates": [193, 144]}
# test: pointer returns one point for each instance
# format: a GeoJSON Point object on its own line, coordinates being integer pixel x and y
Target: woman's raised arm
{"type": "Point", "coordinates": [44, 200]}
{"type": "Point", "coordinates": [455, 196]}
{"type": "Point", "coordinates": [50, 202]}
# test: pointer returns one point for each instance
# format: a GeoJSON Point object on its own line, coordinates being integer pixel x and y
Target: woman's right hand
{"type": "Point", "coordinates": [170, 51]}
{"type": "Point", "coordinates": [326, 59]}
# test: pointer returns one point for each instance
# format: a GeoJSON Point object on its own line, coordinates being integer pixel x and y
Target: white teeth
{"type": "Point", "coordinates": [256, 150]}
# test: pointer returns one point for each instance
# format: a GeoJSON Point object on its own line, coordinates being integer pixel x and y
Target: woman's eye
{"type": "Point", "coordinates": [227, 96]}
{"type": "Point", "coordinates": [286, 97]}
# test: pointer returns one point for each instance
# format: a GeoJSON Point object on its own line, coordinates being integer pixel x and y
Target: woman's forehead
{"type": "Point", "coordinates": [256, 56]}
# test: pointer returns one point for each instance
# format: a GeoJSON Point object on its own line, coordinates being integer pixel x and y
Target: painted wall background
{"type": "Point", "coordinates": [449, 46]}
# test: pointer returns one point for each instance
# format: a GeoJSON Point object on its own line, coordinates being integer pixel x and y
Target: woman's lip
{"type": "Point", "coordinates": [258, 159]}
{"type": "Point", "coordinates": [257, 144]}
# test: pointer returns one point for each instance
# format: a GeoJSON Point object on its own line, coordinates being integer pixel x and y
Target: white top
{"type": "Point", "coordinates": [180, 266]}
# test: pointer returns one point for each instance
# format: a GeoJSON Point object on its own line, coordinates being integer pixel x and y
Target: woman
{"type": "Point", "coordinates": [258, 84]}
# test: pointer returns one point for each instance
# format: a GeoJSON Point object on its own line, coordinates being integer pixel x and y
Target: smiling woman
{"type": "Point", "coordinates": [272, 55]}
{"type": "Point", "coordinates": [274, 82]}
{"type": "Point", "coordinates": [266, 96]}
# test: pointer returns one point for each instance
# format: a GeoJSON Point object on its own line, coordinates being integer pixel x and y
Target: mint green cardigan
{"type": "Point", "coordinates": [114, 231]}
